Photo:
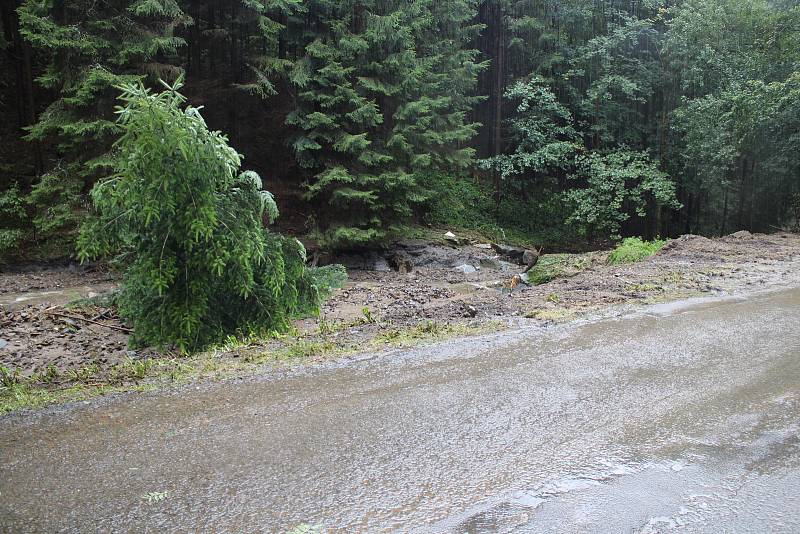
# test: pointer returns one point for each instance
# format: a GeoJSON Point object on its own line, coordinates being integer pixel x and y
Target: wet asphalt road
{"type": "Point", "coordinates": [680, 419]}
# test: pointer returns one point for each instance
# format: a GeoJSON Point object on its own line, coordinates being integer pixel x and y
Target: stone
{"type": "Point", "coordinates": [512, 253]}
{"type": "Point", "coordinates": [742, 234]}
{"type": "Point", "coordinates": [381, 265]}
{"type": "Point", "coordinates": [3, 343]}
{"type": "Point", "coordinates": [466, 268]}
{"type": "Point", "coordinates": [401, 263]}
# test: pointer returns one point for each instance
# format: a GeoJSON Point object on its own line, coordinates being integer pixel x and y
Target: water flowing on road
{"type": "Point", "coordinates": [681, 417]}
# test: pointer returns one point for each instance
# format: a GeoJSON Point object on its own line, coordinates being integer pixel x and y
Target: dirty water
{"type": "Point", "coordinates": [55, 297]}
{"type": "Point", "coordinates": [672, 419]}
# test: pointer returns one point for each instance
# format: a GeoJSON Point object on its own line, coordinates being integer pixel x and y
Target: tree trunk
{"type": "Point", "coordinates": [724, 221]}
{"type": "Point", "coordinates": [742, 193]}
{"type": "Point", "coordinates": [497, 30]}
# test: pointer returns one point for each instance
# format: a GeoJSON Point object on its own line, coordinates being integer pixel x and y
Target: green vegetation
{"type": "Point", "coordinates": [467, 205]}
{"type": "Point", "coordinates": [379, 104]}
{"type": "Point", "coordinates": [187, 227]}
{"type": "Point", "coordinates": [633, 249]}
{"type": "Point", "coordinates": [540, 121]}
{"type": "Point", "coordinates": [556, 315]}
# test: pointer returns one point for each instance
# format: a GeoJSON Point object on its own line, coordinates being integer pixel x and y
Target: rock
{"type": "Point", "coordinates": [512, 253]}
{"type": "Point", "coordinates": [466, 269]}
{"type": "Point", "coordinates": [459, 241]}
{"type": "Point", "coordinates": [3, 343]}
{"type": "Point", "coordinates": [485, 246]}
{"type": "Point", "coordinates": [381, 265]}
{"type": "Point", "coordinates": [742, 234]}
{"type": "Point", "coordinates": [401, 263]}
{"type": "Point", "coordinates": [470, 311]}
{"type": "Point", "coordinates": [529, 259]}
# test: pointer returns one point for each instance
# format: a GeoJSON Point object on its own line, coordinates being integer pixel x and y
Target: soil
{"type": "Point", "coordinates": [39, 328]}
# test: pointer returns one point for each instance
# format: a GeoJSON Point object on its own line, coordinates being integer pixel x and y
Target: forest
{"type": "Point", "coordinates": [562, 120]}
{"type": "Point", "coordinates": [551, 122]}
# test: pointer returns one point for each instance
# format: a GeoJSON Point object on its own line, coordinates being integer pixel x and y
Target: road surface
{"type": "Point", "coordinates": [681, 418]}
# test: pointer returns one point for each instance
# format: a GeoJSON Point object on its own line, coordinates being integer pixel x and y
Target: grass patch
{"type": "Point", "coordinates": [644, 287]}
{"type": "Point", "coordinates": [556, 315]}
{"type": "Point", "coordinates": [554, 266]}
{"type": "Point", "coordinates": [27, 394]}
{"type": "Point", "coordinates": [431, 331]}
{"type": "Point", "coordinates": [633, 249]}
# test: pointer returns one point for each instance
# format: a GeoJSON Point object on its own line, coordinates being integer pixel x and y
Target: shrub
{"type": "Point", "coordinates": [457, 202]}
{"type": "Point", "coordinates": [186, 227]}
{"type": "Point", "coordinates": [633, 249]}
{"type": "Point", "coordinates": [617, 186]}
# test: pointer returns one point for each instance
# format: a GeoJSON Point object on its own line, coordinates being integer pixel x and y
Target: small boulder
{"type": "Point", "coordinates": [466, 268]}
{"type": "Point", "coordinates": [381, 265]}
{"type": "Point", "coordinates": [401, 263]}
{"type": "Point", "coordinates": [512, 253]}
{"type": "Point", "coordinates": [742, 234]}
{"type": "Point", "coordinates": [458, 241]}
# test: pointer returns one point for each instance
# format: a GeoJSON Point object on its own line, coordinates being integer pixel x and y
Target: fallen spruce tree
{"type": "Point", "coordinates": [186, 228]}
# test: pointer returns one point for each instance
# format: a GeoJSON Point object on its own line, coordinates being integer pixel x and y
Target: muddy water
{"type": "Point", "coordinates": [11, 301]}
{"type": "Point", "coordinates": [682, 418]}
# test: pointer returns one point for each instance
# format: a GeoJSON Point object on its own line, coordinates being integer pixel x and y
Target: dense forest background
{"type": "Point", "coordinates": [555, 120]}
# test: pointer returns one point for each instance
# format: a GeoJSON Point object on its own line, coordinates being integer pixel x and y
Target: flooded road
{"type": "Point", "coordinates": [682, 418]}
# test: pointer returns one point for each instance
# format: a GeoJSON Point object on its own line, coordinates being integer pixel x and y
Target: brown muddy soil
{"type": "Point", "coordinates": [39, 329]}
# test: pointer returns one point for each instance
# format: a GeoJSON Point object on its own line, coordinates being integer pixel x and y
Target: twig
{"type": "Point", "coordinates": [100, 315]}
{"type": "Point", "coordinates": [78, 318]}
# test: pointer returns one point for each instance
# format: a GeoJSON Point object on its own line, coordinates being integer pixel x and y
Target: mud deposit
{"type": "Point", "coordinates": [39, 331]}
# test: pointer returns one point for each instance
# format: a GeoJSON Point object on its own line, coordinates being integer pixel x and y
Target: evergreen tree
{"type": "Point", "coordinates": [90, 48]}
{"type": "Point", "coordinates": [375, 111]}
{"type": "Point", "coordinates": [186, 226]}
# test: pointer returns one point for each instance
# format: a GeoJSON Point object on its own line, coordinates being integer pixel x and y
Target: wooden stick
{"type": "Point", "coordinates": [78, 318]}
{"type": "Point", "coordinates": [100, 315]}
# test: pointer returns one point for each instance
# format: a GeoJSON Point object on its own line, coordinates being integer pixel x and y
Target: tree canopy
{"type": "Point", "coordinates": [571, 119]}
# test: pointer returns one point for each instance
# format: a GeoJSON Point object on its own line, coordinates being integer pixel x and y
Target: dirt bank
{"type": "Point", "coordinates": [451, 290]}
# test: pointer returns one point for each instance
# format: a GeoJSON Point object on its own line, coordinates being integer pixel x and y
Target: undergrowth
{"type": "Point", "coordinates": [466, 204]}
